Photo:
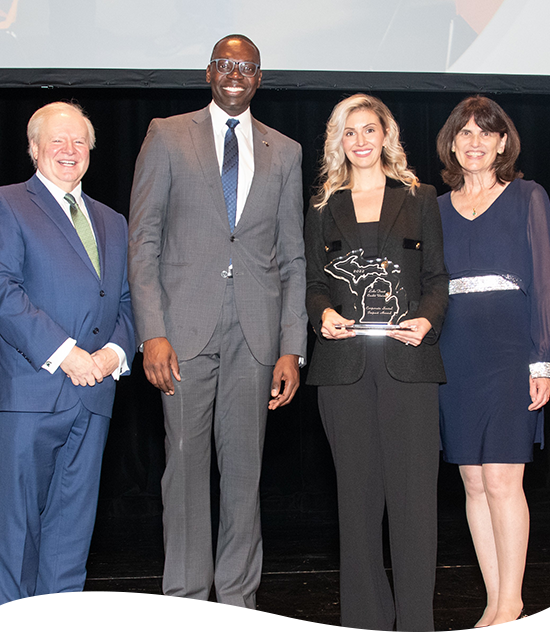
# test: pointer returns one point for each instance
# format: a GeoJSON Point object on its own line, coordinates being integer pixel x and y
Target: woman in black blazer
{"type": "Point", "coordinates": [373, 229]}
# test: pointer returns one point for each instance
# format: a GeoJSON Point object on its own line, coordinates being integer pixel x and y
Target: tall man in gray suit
{"type": "Point", "coordinates": [217, 276]}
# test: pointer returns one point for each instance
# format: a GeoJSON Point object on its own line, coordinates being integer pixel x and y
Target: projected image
{"type": "Point", "coordinates": [8, 16]}
{"type": "Point", "coordinates": [513, 41]}
{"type": "Point", "coordinates": [397, 35]}
{"type": "Point", "coordinates": [466, 36]}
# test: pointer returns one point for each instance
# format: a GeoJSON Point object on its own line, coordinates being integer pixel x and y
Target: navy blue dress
{"type": "Point", "coordinates": [489, 339]}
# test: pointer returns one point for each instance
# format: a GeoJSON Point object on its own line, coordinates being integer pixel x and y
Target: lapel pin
{"type": "Point", "coordinates": [265, 143]}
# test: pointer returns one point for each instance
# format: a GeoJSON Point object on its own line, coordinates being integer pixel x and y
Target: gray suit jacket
{"type": "Point", "coordinates": [181, 244]}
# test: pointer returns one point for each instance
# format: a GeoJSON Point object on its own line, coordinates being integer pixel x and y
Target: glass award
{"type": "Point", "coordinates": [378, 298]}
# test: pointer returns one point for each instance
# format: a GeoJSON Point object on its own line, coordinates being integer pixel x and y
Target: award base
{"type": "Point", "coordinates": [372, 329]}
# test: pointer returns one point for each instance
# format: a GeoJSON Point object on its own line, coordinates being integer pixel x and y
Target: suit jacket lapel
{"type": "Point", "coordinates": [47, 203]}
{"type": "Point", "coordinates": [203, 140]}
{"type": "Point", "coordinates": [263, 154]}
{"type": "Point", "coordinates": [202, 136]}
{"type": "Point", "coordinates": [394, 196]}
{"type": "Point", "coordinates": [343, 212]}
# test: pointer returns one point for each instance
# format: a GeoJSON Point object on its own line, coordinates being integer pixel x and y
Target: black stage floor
{"type": "Point", "coordinates": [300, 576]}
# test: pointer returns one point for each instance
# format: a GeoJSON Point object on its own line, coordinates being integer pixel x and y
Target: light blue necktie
{"type": "Point", "coordinates": [230, 171]}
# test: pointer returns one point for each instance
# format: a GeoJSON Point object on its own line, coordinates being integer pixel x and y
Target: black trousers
{"type": "Point", "coordinates": [384, 437]}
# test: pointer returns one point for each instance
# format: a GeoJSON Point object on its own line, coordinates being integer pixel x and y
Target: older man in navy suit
{"type": "Point", "coordinates": [66, 334]}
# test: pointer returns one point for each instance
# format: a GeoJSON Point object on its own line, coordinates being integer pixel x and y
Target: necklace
{"type": "Point", "coordinates": [479, 202]}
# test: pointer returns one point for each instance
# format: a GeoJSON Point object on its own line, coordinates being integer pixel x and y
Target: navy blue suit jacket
{"type": "Point", "coordinates": [49, 291]}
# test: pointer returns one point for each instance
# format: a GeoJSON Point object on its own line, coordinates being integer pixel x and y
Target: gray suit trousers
{"type": "Point", "coordinates": [227, 379]}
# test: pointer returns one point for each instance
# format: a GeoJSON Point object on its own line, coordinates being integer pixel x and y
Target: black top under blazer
{"type": "Point", "coordinates": [410, 235]}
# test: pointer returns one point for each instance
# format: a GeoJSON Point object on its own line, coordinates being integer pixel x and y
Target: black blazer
{"type": "Point", "coordinates": [409, 235]}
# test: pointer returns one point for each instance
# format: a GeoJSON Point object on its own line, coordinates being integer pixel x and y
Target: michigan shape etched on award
{"type": "Point", "coordinates": [378, 296]}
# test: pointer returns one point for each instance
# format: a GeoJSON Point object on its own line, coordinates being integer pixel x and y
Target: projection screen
{"type": "Point", "coordinates": [320, 44]}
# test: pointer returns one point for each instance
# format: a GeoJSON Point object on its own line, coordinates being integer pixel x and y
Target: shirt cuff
{"type": "Point", "coordinates": [540, 369]}
{"type": "Point", "coordinates": [122, 361]}
{"type": "Point", "coordinates": [52, 363]}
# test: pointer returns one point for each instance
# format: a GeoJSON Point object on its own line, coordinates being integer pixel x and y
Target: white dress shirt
{"type": "Point", "coordinates": [52, 363]}
{"type": "Point", "coordinates": [243, 131]}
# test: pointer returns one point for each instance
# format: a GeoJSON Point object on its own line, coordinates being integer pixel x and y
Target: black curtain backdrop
{"type": "Point", "coordinates": [298, 472]}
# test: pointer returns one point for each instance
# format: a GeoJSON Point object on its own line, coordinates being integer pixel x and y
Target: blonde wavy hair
{"type": "Point", "coordinates": [335, 173]}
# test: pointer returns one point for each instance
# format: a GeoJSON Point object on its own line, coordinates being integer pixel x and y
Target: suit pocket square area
{"type": "Point", "coordinates": [333, 246]}
{"type": "Point", "coordinates": [412, 244]}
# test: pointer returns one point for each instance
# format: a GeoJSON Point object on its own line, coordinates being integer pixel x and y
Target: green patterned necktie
{"type": "Point", "coordinates": [84, 231]}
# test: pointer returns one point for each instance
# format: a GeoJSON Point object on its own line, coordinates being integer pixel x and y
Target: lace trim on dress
{"type": "Point", "coordinates": [486, 283]}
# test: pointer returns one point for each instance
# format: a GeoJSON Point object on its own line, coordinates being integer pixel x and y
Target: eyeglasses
{"type": "Point", "coordinates": [227, 66]}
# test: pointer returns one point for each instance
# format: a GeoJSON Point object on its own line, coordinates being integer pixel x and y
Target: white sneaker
{"type": "Point", "coordinates": [243, 626]}
{"type": "Point", "coordinates": [174, 628]}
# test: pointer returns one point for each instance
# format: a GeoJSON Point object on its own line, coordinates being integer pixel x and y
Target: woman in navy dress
{"type": "Point", "coordinates": [496, 338]}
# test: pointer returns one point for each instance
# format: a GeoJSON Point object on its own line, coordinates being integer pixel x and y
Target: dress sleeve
{"type": "Point", "coordinates": [538, 235]}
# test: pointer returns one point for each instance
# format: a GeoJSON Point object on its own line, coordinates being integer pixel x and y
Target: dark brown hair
{"type": "Point", "coordinates": [490, 117]}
